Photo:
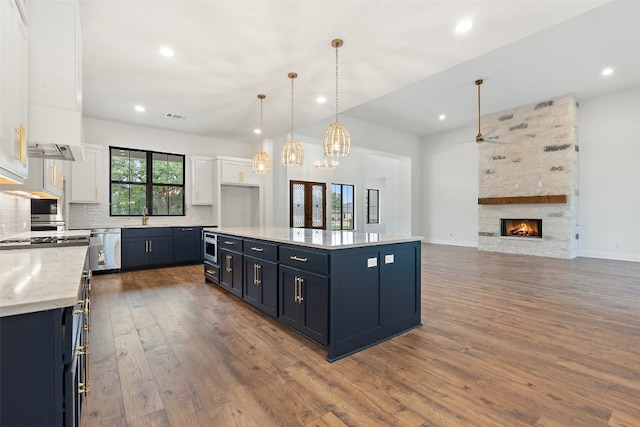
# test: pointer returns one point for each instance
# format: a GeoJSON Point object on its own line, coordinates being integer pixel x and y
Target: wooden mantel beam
{"type": "Point", "coordinates": [523, 200]}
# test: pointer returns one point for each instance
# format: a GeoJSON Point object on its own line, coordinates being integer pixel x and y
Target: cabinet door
{"type": "Point", "coordinates": [315, 305]}
{"type": "Point", "coordinates": [247, 176]}
{"type": "Point", "coordinates": [135, 252]}
{"type": "Point", "coordinates": [53, 177]}
{"type": "Point", "coordinates": [261, 285]}
{"type": "Point", "coordinates": [230, 172]}
{"type": "Point", "coordinates": [13, 94]}
{"type": "Point", "coordinates": [85, 177]}
{"type": "Point", "coordinates": [289, 307]}
{"type": "Point", "coordinates": [202, 180]}
{"type": "Point", "coordinates": [187, 244]}
{"type": "Point", "coordinates": [161, 251]}
{"type": "Point", "coordinates": [231, 272]}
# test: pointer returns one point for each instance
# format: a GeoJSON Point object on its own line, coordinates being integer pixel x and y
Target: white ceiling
{"type": "Point", "coordinates": [402, 64]}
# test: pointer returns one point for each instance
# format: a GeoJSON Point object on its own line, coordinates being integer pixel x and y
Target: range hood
{"type": "Point", "coordinates": [54, 133]}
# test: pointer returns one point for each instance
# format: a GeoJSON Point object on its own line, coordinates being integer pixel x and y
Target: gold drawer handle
{"type": "Point", "coordinates": [257, 249]}
{"type": "Point", "coordinates": [296, 258]}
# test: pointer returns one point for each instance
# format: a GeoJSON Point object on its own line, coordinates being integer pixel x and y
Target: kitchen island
{"type": "Point", "coordinates": [344, 290]}
{"type": "Point", "coordinates": [44, 325]}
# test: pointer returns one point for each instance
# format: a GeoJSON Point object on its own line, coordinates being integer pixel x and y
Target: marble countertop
{"type": "Point", "coordinates": [324, 239]}
{"type": "Point", "coordinates": [40, 279]}
{"type": "Point", "coordinates": [66, 233]}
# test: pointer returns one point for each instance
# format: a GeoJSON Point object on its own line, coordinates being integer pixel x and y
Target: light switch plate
{"type": "Point", "coordinates": [389, 259]}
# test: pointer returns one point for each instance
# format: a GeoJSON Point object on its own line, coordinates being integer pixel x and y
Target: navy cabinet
{"type": "Point", "coordinates": [261, 276]}
{"type": "Point", "coordinates": [147, 247]}
{"type": "Point", "coordinates": [187, 245]}
{"type": "Point", "coordinates": [44, 369]}
{"type": "Point", "coordinates": [230, 260]}
{"type": "Point", "coordinates": [304, 292]}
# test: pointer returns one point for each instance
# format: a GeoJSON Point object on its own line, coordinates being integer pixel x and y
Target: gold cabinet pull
{"type": "Point", "coordinates": [300, 299]}
{"type": "Point", "coordinates": [229, 243]}
{"type": "Point", "coordinates": [22, 156]}
{"type": "Point", "coordinates": [53, 175]}
{"type": "Point", "coordinates": [228, 263]}
{"type": "Point", "coordinates": [150, 245]}
{"type": "Point", "coordinates": [257, 249]}
{"type": "Point", "coordinates": [297, 258]}
{"type": "Point", "coordinates": [258, 268]}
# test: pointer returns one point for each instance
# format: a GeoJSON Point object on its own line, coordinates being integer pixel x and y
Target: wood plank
{"type": "Point", "coordinates": [522, 200]}
{"type": "Point", "coordinates": [506, 340]}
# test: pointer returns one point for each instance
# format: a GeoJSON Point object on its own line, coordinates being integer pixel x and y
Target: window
{"type": "Point", "coordinates": [373, 206]}
{"type": "Point", "coordinates": [146, 179]}
{"type": "Point", "coordinates": [342, 207]}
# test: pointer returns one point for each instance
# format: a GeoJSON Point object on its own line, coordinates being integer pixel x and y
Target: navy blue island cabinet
{"type": "Point", "coordinates": [346, 291]}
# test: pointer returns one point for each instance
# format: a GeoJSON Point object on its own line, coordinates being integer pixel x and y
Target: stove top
{"type": "Point", "coordinates": [43, 242]}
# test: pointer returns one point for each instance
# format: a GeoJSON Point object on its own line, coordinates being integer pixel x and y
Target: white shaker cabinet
{"type": "Point", "coordinates": [86, 176]}
{"type": "Point", "coordinates": [13, 92]}
{"type": "Point", "coordinates": [202, 180]}
{"type": "Point", "coordinates": [238, 172]}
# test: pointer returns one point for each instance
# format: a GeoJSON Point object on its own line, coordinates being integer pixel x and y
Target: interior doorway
{"type": "Point", "coordinates": [308, 201]}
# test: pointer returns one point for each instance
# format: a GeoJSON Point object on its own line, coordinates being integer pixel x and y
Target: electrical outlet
{"type": "Point", "coordinates": [1, 228]}
{"type": "Point", "coordinates": [24, 225]}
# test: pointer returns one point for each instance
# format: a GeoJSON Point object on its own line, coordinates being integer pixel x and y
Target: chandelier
{"type": "Point", "coordinates": [292, 154]}
{"type": "Point", "coordinates": [337, 141]}
{"type": "Point", "coordinates": [261, 163]}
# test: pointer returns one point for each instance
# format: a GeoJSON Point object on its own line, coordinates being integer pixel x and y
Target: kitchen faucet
{"type": "Point", "coordinates": [145, 216]}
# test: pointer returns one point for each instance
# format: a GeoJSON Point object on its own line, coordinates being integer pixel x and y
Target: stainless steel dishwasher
{"type": "Point", "coordinates": [104, 249]}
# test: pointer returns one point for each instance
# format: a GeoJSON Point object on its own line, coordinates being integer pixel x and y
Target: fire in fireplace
{"type": "Point", "coordinates": [518, 227]}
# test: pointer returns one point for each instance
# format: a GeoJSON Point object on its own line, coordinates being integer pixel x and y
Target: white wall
{"type": "Point", "coordinates": [609, 135]}
{"type": "Point", "coordinates": [609, 211]}
{"type": "Point", "coordinates": [450, 188]}
{"type": "Point", "coordinates": [107, 133]}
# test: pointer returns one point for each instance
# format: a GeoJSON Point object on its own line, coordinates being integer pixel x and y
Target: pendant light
{"type": "Point", "coordinates": [292, 154]}
{"type": "Point", "coordinates": [261, 163]}
{"type": "Point", "coordinates": [336, 142]}
{"type": "Point", "coordinates": [326, 163]}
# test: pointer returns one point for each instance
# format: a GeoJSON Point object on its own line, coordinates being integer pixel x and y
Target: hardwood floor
{"type": "Point", "coordinates": [507, 340]}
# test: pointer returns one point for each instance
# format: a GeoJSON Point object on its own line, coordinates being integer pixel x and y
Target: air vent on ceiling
{"type": "Point", "coordinates": [175, 116]}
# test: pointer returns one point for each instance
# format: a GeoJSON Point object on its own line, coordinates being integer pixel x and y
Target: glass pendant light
{"type": "Point", "coordinates": [261, 163]}
{"type": "Point", "coordinates": [326, 163]}
{"type": "Point", "coordinates": [292, 154]}
{"type": "Point", "coordinates": [337, 141]}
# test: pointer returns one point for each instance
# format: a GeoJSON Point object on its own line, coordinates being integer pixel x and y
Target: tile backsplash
{"type": "Point", "coordinates": [15, 214]}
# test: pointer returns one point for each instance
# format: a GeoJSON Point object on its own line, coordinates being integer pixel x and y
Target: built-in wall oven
{"type": "Point", "coordinates": [46, 215]}
{"type": "Point", "coordinates": [211, 266]}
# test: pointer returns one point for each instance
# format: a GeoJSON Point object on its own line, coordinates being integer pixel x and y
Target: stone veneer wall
{"type": "Point", "coordinates": [540, 158]}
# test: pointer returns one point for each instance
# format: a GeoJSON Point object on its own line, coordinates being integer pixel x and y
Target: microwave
{"type": "Point", "coordinates": [210, 247]}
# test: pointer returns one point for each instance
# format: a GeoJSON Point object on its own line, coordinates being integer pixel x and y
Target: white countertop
{"type": "Point", "coordinates": [40, 279]}
{"type": "Point", "coordinates": [324, 239]}
{"type": "Point", "coordinates": [66, 233]}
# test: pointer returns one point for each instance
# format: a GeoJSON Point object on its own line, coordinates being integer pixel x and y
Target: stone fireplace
{"type": "Point", "coordinates": [534, 176]}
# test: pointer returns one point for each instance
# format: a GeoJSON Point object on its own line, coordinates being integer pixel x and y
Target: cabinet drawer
{"type": "Point", "coordinates": [312, 261]}
{"type": "Point", "coordinates": [260, 249]}
{"type": "Point", "coordinates": [230, 243]}
{"type": "Point", "coordinates": [147, 232]}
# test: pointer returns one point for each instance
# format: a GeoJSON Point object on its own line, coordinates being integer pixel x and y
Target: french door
{"type": "Point", "coordinates": [308, 202]}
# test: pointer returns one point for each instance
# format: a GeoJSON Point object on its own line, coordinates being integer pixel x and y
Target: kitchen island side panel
{"type": "Point", "coordinates": [374, 296]}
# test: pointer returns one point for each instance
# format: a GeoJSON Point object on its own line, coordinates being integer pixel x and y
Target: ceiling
{"type": "Point", "coordinates": [401, 66]}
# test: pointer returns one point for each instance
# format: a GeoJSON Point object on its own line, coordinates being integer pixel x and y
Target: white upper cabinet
{"type": "Point", "coordinates": [202, 180]}
{"type": "Point", "coordinates": [13, 92]}
{"type": "Point", "coordinates": [238, 172]}
{"type": "Point", "coordinates": [86, 176]}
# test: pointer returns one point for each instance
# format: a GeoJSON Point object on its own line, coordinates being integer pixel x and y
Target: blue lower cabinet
{"type": "Point", "coordinates": [231, 272]}
{"type": "Point", "coordinates": [261, 284]}
{"type": "Point", "coordinates": [303, 303]}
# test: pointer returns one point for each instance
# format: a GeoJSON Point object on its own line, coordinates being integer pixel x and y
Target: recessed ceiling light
{"type": "Point", "coordinates": [166, 51]}
{"type": "Point", "coordinates": [321, 99]}
{"type": "Point", "coordinates": [257, 131]}
{"type": "Point", "coordinates": [464, 26]}
{"type": "Point", "coordinates": [139, 108]}
{"type": "Point", "coordinates": [442, 117]}
{"type": "Point", "coordinates": [607, 71]}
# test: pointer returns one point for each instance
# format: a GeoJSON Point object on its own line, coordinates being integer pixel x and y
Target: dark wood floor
{"type": "Point", "coordinates": [507, 340]}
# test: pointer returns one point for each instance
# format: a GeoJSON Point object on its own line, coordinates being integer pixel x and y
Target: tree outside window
{"type": "Point", "coordinates": [342, 207]}
{"type": "Point", "coordinates": [146, 179]}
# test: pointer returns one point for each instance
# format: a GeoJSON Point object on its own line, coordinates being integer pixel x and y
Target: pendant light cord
{"type": "Point", "coordinates": [261, 125]}
{"type": "Point", "coordinates": [292, 76]}
{"type": "Point", "coordinates": [337, 83]}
